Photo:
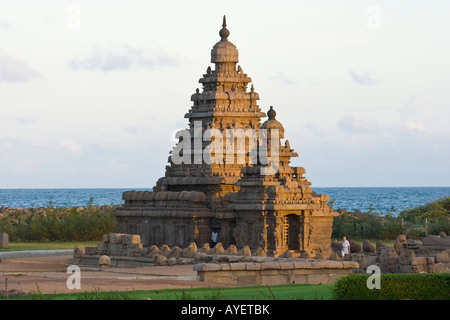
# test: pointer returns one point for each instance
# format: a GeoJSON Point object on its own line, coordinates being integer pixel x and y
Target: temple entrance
{"type": "Point", "coordinates": [293, 223]}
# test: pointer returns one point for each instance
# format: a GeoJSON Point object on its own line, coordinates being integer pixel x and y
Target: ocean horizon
{"type": "Point", "coordinates": [377, 199]}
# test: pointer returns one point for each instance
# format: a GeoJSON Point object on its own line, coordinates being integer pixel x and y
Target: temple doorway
{"type": "Point", "coordinates": [293, 224]}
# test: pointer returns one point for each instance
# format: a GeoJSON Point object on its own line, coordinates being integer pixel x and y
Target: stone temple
{"type": "Point", "coordinates": [236, 196]}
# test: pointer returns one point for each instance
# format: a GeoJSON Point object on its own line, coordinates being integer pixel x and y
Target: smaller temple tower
{"type": "Point", "coordinates": [279, 212]}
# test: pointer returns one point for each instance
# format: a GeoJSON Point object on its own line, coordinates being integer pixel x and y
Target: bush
{"type": "Point", "coordinates": [59, 224]}
{"type": "Point", "coordinates": [394, 287]}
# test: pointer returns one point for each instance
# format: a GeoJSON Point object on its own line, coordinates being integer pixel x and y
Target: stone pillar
{"type": "Point", "coordinates": [4, 239]}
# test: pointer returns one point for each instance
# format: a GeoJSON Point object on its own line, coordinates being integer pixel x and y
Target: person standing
{"type": "Point", "coordinates": [345, 247]}
{"type": "Point", "coordinates": [214, 238]}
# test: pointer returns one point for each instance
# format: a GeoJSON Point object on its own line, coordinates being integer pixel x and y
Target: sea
{"type": "Point", "coordinates": [383, 200]}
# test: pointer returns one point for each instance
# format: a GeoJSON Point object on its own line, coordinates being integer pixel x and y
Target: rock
{"type": "Point", "coordinates": [105, 238]}
{"type": "Point", "coordinates": [436, 241]}
{"type": "Point", "coordinates": [348, 257]}
{"type": "Point", "coordinates": [154, 250]}
{"type": "Point", "coordinates": [304, 255]}
{"type": "Point", "coordinates": [367, 246]}
{"type": "Point", "coordinates": [247, 251]}
{"type": "Point", "coordinates": [104, 262]}
{"type": "Point", "coordinates": [260, 252]}
{"type": "Point", "coordinates": [232, 250]}
{"type": "Point", "coordinates": [166, 251]}
{"type": "Point", "coordinates": [199, 256]}
{"type": "Point", "coordinates": [414, 244]}
{"type": "Point", "coordinates": [78, 252]}
{"type": "Point", "coordinates": [442, 257]}
{"type": "Point", "coordinates": [160, 260]}
{"type": "Point", "coordinates": [362, 261]}
{"type": "Point", "coordinates": [206, 247]}
{"type": "Point", "coordinates": [177, 252]}
{"type": "Point", "coordinates": [218, 248]}
{"type": "Point", "coordinates": [401, 244]}
{"type": "Point", "coordinates": [380, 246]}
{"type": "Point", "coordinates": [171, 261]}
{"type": "Point", "coordinates": [286, 254]}
{"type": "Point", "coordinates": [319, 256]}
{"type": "Point", "coordinates": [407, 257]}
{"type": "Point", "coordinates": [355, 247]}
{"type": "Point", "coordinates": [334, 257]}
{"type": "Point", "coordinates": [190, 251]}
{"type": "Point", "coordinates": [442, 234]}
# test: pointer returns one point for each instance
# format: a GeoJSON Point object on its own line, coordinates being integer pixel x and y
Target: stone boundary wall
{"type": "Point", "coordinates": [275, 272]}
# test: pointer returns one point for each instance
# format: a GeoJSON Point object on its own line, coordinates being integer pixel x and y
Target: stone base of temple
{"type": "Point", "coordinates": [283, 271]}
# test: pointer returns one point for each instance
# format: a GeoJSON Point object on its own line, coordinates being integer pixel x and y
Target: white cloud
{"type": "Point", "coordinates": [114, 57]}
{"type": "Point", "coordinates": [411, 125]}
{"type": "Point", "coordinates": [15, 70]}
{"type": "Point", "coordinates": [350, 123]}
{"type": "Point", "coordinates": [365, 79]}
{"type": "Point", "coordinates": [71, 145]}
{"type": "Point", "coordinates": [4, 25]}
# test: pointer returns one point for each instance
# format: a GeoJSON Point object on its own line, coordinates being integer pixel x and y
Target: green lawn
{"type": "Point", "coordinates": [22, 246]}
{"type": "Point", "coordinates": [279, 292]}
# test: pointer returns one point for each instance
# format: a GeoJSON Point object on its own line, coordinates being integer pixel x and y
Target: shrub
{"type": "Point", "coordinates": [394, 287]}
{"type": "Point", "coordinates": [59, 224]}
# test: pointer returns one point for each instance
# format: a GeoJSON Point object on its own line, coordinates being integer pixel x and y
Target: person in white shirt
{"type": "Point", "coordinates": [214, 238]}
{"type": "Point", "coordinates": [345, 247]}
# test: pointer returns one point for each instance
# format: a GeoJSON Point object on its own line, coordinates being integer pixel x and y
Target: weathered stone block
{"type": "Point", "coordinates": [302, 265]}
{"type": "Point", "coordinates": [171, 261]}
{"type": "Point", "coordinates": [115, 238]}
{"type": "Point", "coordinates": [286, 265]}
{"type": "Point", "coordinates": [237, 266]}
{"type": "Point", "coordinates": [350, 264]}
{"type": "Point", "coordinates": [90, 250]}
{"type": "Point", "coordinates": [211, 267]}
{"type": "Point", "coordinates": [270, 265]}
{"type": "Point", "coordinates": [225, 267]}
{"type": "Point", "coordinates": [131, 239]}
{"type": "Point", "coordinates": [318, 278]}
{"type": "Point", "coordinates": [442, 257]}
{"type": "Point", "coordinates": [252, 266]}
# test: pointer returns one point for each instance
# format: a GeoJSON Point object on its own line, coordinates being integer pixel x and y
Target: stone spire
{"type": "Point", "coordinates": [224, 32]}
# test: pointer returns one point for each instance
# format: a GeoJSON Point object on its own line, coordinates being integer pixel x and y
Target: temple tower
{"type": "Point", "coordinates": [230, 173]}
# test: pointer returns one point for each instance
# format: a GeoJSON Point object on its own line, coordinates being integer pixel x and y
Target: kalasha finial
{"type": "Point", "coordinates": [271, 113]}
{"type": "Point", "coordinates": [224, 32]}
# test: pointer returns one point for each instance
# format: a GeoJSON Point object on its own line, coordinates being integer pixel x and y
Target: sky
{"type": "Point", "coordinates": [92, 92]}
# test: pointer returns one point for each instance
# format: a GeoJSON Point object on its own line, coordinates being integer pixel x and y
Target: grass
{"type": "Point", "coordinates": [278, 292]}
{"type": "Point", "coordinates": [54, 245]}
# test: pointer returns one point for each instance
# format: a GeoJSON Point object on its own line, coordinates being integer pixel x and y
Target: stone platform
{"type": "Point", "coordinates": [284, 271]}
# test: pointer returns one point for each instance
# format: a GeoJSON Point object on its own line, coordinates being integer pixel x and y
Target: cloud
{"type": "Point", "coordinates": [352, 124]}
{"type": "Point", "coordinates": [15, 70]}
{"type": "Point", "coordinates": [285, 79]}
{"type": "Point", "coordinates": [4, 25]}
{"type": "Point", "coordinates": [364, 79]}
{"type": "Point", "coordinates": [113, 57]}
{"type": "Point", "coordinates": [25, 120]}
{"type": "Point", "coordinates": [71, 145]}
{"type": "Point", "coordinates": [412, 125]}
